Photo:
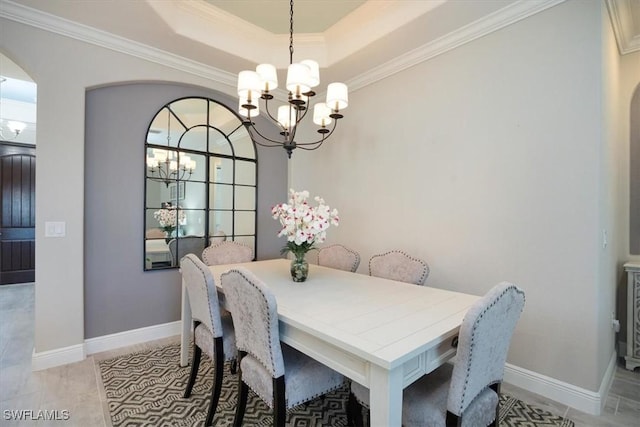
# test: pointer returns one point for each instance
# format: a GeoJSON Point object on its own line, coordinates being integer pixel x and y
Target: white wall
{"type": "Point", "coordinates": [485, 161]}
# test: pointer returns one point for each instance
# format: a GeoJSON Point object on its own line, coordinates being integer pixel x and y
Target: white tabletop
{"type": "Point", "coordinates": [383, 321]}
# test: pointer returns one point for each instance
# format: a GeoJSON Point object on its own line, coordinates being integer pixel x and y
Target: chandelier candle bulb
{"type": "Point", "coordinates": [268, 76]}
{"type": "Point", "coordinates": [247, 109]}
{"type": "Point", "coordinates": [286, 117]}
{"type": "Point", "coordinates": [298, 76]}
{"type": "Point", "coordinates": [248, 82]}
{"type": "Point", "coordinates": [314, 72]}
{"type": "Point", "coordinates": [321, 115]}
{"type": "Point", "coordinates": [337, 96]}
{"type": "Point", "coordinates": [160, 155]}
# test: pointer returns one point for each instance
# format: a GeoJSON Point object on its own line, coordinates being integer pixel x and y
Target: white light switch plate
{"type": "Point", "coordinates": [55, 229]}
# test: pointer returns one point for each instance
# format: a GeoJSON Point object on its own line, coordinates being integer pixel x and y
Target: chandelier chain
{"type": "Point", "coordinates": [291, 33]}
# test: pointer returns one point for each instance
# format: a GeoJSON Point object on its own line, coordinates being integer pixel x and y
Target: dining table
{"type": "Point", "coordinates": [381, 333]}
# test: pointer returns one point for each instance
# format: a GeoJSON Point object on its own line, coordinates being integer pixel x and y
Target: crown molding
{"type": "Point", "coordinates": [620, 13]}
{"type": "Point", "coordinates": [45, 21]}
{"type": "Point", "coordinates": [493, 22]}
{"type": "Point", "coordinates": [504, 17]}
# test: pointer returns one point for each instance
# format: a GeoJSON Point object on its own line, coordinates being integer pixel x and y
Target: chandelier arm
{"type": "Point", "coordinates": [275, 120]}
{"type": "Point", "coordinates": [320, 141]}
{"type": "Point", "coordinates": [251, 127]}
{"type": "Point", "coordinates": [304, 112]}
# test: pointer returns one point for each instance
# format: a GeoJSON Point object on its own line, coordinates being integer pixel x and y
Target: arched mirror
{"type": "Point", "coordinates": [200, 181]}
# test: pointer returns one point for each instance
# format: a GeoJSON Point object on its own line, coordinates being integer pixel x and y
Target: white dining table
{"type": "Point", "coordinates": [380, 333]}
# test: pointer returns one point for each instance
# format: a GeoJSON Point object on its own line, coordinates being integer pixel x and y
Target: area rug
{"type": "Point", "coordinates": [146, 388]}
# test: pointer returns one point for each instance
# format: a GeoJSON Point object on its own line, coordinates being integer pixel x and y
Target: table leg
{"type": "Point", "coordinates": [185, 335]}
{"type": "Point", "coordinates": [386, 396]}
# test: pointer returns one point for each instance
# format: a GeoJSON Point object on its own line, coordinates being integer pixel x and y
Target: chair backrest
{"type": "Point", "coordinates": [339, 257]}
{"type": "Point", "coordinates": [255, 318]}
{"type": "Point", "coordinates": [154, 233]}
{"type": "Point", "coordinates": [185, 245]}
{"type": "Point", "coordinates": [397, 265]}
{"type": "Point", "coordinates": [227, 253]}
{"type": "Point", "coordinates": [203, 297]}
{"type": "Point", "coordinates": [218, 236]}
{"type": "Point", "coordinates": [483, 343]}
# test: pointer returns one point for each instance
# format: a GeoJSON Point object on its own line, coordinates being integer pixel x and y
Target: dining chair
{"type": "Point", "coordinates": [280, 375]}
{"type": "Point", "coordinates": [182, 246]}
{"type": "Point", "coordinates": [154, 233]}
{"type": "Point", "coordinates": [397, 265]}
{"type": "Point", "coordinates": [227, 252]}
{"type": "Point", "coordinates": [339, 257]}
{"type": "Point", "coordinates": [213, 330]}
{"type": "Point", "coordinates": [466, 393]}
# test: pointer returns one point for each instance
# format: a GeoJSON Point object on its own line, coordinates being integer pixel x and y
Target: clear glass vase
{"type": "Point", "coordinates": [299, 268]}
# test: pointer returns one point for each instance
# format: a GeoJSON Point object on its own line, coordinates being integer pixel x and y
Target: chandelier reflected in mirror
{"type": "Point", "coordinates": [302, 77]}
{"type": "Point", "coordinates": [168, 165]}
{"type": "Point", "coordinates": [165, 166]}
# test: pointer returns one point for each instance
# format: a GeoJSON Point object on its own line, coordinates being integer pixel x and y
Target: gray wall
{"type": "Point", "coordinates": [119, 295]}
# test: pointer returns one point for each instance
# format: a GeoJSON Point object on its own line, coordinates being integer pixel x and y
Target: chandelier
{"type": "Point", "coordinates": [14, 127]}
{"type": "Point", "coordinates": [163, 166]}
{"type": "Point", "coordinates": [166, 165]}
{"type": "Point", "coordinates": [302, 77]}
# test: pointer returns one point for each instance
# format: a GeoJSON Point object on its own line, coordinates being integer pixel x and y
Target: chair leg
{"type": "Point", "coordinates": [453, 420]}
{"type": "Point", "coordinates": [218, 366]}
{"type": "Point", "coordinates": [354, 412]}
{"type": "Point", "coordinates": [496, 387]}
{"type": "Point", "coordinates": [279, 402]}
{"type": "Point", "coordinates": [195, 364]}
{"type": "Point", "coordinates": [243, 391]}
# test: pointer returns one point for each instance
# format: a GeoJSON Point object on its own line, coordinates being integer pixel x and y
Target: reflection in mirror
{"type": "Point", "coordinates": [200, 181]}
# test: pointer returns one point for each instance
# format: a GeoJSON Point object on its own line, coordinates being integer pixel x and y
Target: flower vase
{"type": "Point", "coordinates": [299, 268]}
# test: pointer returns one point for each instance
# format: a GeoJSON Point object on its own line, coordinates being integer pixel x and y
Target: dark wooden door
{"type": "Point", "coordinates": [17, 213]}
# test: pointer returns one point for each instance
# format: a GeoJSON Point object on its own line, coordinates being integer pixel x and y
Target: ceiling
{"type": "Point", "coordinates": [349, 38]}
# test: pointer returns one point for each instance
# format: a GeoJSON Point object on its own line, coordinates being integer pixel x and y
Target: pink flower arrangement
{"type": "Point", "coordinates": [303, 225]}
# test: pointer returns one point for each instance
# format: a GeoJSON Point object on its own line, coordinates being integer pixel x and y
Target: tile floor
{"type": "Point", "coordinates": [76, 387]}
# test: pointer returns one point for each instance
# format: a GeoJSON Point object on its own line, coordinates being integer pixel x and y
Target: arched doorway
{"type": "Point", "coordinates": [17, 174]}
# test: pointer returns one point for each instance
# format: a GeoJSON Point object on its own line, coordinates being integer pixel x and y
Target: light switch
{"type": "Point", "coordinates": [55, 229]}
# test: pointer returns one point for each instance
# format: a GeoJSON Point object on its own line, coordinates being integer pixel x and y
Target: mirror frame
{"type": "Point", "coordinates": [171, 163]}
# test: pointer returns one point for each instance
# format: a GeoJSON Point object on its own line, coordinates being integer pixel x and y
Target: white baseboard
{"type": "Point", "coordinates": [134, 336]}
{"type": "Point", "coordinates": [77, 353]}
{"type": "Point", "coordinates": [57, 357]}
{"type": "Point", "coordinates": [584, 400]}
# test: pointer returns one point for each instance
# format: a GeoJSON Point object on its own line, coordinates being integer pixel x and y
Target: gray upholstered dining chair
{"type": "Point", "coordinates": [339, 257]}
{"type": "Point", "coordinates": [182, 246]}
{"type": "Point", "coordinates": [280, 375]}
{"type": "Point", "coordinates": [466, 393]}
{"type": "Point", "coordinates": [227, 252]}
{"type": "Point", "coordinates": [213, 330]}
{"type": "Point", "coordinates": [397, 265]}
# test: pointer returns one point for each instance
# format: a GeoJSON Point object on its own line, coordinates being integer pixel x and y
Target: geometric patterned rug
{"type": "Point", "coordinates": [146, 388]}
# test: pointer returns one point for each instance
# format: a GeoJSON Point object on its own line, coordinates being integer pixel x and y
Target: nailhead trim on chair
{"type": "Point", "coordinates": [473, 336]}
{"type": "Point", "coordinates": [269, 366]}
{"type": "Point", "coordinates": [208, 249]}
{"type": "Point", "coordinates": [216, 334]}
{"type": "Point", "coordinates": [356, 262]}
{"type": "Point", "coordinates": [425, 266]}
